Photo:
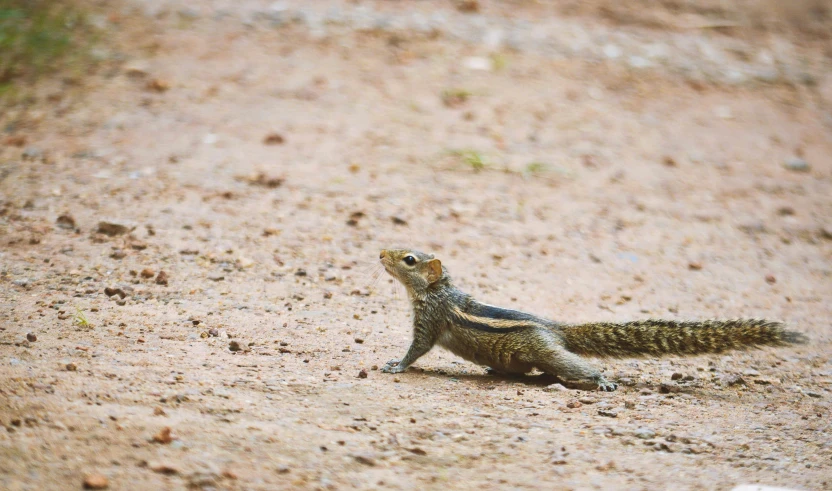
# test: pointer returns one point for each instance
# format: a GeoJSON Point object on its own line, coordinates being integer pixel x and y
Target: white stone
{"type": "Point", "coordinates": [612, 51]}
{"type": "Point", "coordinates": [478, 63]}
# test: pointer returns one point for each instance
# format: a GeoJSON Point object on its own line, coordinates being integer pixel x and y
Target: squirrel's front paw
{"type": "Point", "coordinates": [392, 366]}
{"type": "Point", "coordinates": [606, 386]}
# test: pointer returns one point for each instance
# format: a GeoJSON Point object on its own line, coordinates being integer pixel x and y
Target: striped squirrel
{"type": "Point", "coordinates": [510, 341]}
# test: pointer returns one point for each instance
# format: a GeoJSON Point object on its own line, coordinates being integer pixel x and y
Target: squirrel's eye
{"type": "Point", "coordinates": [409, 260]}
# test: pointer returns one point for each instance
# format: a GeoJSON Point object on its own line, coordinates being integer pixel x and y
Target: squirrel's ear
{"type": "Point", "coordinates": [434, 270]}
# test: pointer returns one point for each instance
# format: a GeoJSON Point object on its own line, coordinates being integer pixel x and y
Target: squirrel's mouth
{"type": "Point", "coordinates": [387, 268]}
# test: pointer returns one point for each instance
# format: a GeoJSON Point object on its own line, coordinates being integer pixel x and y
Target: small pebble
{"type": "Point", "coordinates": [365, 459]}
{"type": "Point", "coordinates": [31, 337]}
{"type": "Point", "coordinates": [770, 279]}
{"type": "Point", "coordinates": [644, 433]}
{"type": "Point", "coordinates": [112, 291]}
{"type": "Point", "coordinates": [468, 6]}
{"type": "Point", "coordinates": [667, 388]}
{"type": "Point", "coordinates": [796, 164]}
{"type": "Point", "coordinates": [164, 468]}
{"type": "Point", "coordinates": [274, 139]}
{"type": "Point", "coordinates": [359, 341]}
{"type": "Point", "coordinates": [112, 229]}
{"type": "Point", "coordinates": [65, 222]}
{"type": "Point", "coordinates": [157, 85]}
{"type": "Point", "coordinates": [71, 367]}
{"type": "Point", "coordinates": [162, 278]}
{"type": "Point", "coordinates": [362, 373]}
{"type": "Point", "coordinates": [609, 413]}
{"type": "Point", "coordinates": [676, 376]}
{"type": "Point", "coordinates": [612, 51]}
{"type": "Point", "coordinates": [732, 379]}
{"type": "Point", "coordinates": [234, 346]}
{"type": "Point", "coordinates": [478, 63]}
{"type": "Point", "coordinates": [95, 481]}
{"type": "Point", "coordinates": [164, 436]}
{"type": "Point", "coordinates": [573, 404]}
{"type": "Point", "coordinates": [213, 332]}
{"type": "Point", "coordinates": [32, 153]}
{"type": "Point", "coordinates": [147, 273]}
{"type": "Point", "coordinates": [263, 180]}
{"type": "Point", "coordinates": [694, 266]}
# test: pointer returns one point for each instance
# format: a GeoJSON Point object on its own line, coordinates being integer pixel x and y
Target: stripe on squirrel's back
{"type": "Point", "coordinates": [504, 320]}
{"type": "Point", "coordinates": [493, 312]}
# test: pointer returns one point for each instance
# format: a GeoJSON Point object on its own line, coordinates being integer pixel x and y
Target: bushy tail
{"type": "Point", "coordinates": [656, 337]}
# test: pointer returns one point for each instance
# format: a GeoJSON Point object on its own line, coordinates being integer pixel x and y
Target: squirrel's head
{"type": "Point", "coordinates": [415, 270]}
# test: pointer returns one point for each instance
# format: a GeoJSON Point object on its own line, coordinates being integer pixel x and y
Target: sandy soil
{"type": "Point", "coordinates": [262, 167]}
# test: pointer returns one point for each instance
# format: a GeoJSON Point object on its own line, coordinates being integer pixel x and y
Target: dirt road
{"type": "Point", "coordinates": [192, 244]}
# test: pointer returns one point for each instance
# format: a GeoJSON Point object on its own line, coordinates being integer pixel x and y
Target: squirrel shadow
{"type": "Point", "coordinates": [533, 379]}
{"type": "Point", "coordinates": [544, 380]}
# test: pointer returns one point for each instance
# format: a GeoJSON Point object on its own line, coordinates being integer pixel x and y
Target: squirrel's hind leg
{"type": "Point", "coordinates": [572, 369]}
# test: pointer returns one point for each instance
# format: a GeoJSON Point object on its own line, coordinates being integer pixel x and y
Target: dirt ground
{"type": "Point", "coordinates": [257, 156]}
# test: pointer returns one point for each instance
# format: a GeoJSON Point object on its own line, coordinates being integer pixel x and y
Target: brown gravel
{"type": "Point", "coordinates": [164, 436]}
{"type": "Point", "coordinates": [95, 481]}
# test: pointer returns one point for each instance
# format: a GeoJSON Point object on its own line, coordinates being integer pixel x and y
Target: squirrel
{"type": "Point", "coordinates": [513, 342]}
